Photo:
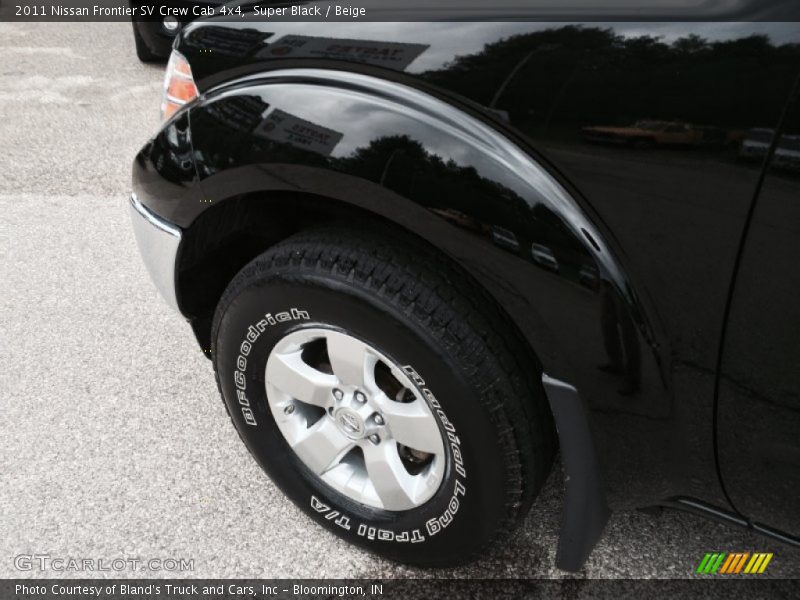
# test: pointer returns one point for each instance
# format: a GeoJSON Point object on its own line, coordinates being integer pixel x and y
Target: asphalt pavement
{"type": "Point", "coordinates": [113, 440]}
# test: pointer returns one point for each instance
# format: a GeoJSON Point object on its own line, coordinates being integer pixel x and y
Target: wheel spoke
{"type": "Point", "coordinates": [340, 423]}
{"type": "Point", "coordinates": [392, 482]}
{"type": "Point", "coordinates": [411, 424]}
{"type": "Point", "coordinates": [289, 374]}
{"type": "Point", "coordinates": [321, 446]}
{"type": "Point", "coordinates": [351, 360]}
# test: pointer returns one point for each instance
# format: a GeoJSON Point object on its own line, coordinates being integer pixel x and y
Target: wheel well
{"type": "Point", "coordinates": [228, 236]}
{"type": "Point", "coordinates": [225, 237]}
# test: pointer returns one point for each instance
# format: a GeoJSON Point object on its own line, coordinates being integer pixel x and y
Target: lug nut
{"type": "Point", "coordinates": [375, 439]}
{"type": "Point", "coordinates": [360, 398]}
{"type": "Point", "coordinates": [378, 420]}
{"type": "Point", "coordinates": [288, 409]}
{"type": "Point", "coordinates": [338, 394]}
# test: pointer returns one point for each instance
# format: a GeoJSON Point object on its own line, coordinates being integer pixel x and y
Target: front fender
{"type": "Point", "coordinates": [452, 177]}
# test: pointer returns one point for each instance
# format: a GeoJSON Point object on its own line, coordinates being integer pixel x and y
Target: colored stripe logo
{"type": "Point", "coordinates": [734, 563]}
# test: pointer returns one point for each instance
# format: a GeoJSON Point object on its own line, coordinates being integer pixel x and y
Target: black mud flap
{"type": "Point", "coordinates": [585, 509]}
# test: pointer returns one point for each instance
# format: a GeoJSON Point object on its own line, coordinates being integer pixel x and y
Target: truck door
{"type": "Point", "coordinates": [758, 418]}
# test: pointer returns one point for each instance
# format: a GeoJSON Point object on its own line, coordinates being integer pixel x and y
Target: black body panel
{"type": "Point", "coordinates": [648, 127]}
{"type": "Point", "coordinates": [759, 379]}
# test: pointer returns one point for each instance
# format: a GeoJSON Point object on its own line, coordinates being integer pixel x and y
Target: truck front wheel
{"type": "Point", "coordinates": [384, 393]}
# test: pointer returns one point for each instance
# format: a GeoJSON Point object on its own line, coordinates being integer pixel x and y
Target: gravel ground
{"type": "Point", "coordinates": [114, 443]}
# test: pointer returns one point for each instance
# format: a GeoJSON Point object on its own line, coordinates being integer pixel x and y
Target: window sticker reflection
{"type": "Point", "coordinates": [283, 127]}
{"type": "Point", "coordinates": [389, 55]}
{"type": "Point", "coordinates": [221, 42]}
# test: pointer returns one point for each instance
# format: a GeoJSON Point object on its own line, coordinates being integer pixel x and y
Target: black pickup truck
{"type": "Point", "coordinates": [419, 281]}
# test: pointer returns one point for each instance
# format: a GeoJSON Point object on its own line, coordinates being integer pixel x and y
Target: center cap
{"type": "Point", "coordinates": [350, 422]}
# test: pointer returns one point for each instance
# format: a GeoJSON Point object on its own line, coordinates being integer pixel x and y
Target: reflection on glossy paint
{"type": "Point", "coordinates": [656, 129]}
{"type": "Point", "coordinates": [453, 181]}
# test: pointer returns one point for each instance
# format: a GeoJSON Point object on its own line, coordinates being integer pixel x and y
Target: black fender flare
{"type": "Point", "coordinates": [455, 179]}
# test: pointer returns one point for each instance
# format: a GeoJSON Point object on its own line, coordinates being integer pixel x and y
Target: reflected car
{"type": "Point", "coordinates": [787, 153]}
{"type": "Point", "coordinates": [505, 238]}
{"type": "Point", "coordinates": [647, 133]}
{"type": "Point", "coordinates": [543, 256]}
{"type": "Point", "coordinates": [756, 143]}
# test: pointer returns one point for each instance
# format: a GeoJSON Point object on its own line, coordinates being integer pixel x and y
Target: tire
{"type": "Point", "coordinates": [143, 51]}
{"type": "Point", "coordinates": [452, 351]}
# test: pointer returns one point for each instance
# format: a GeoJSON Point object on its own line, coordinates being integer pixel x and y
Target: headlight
{"type": "Point", "coordinates": [179, 87]}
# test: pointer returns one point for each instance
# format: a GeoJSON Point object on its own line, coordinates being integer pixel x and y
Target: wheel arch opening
{"type": "Point", "coordinates": [228, 235]}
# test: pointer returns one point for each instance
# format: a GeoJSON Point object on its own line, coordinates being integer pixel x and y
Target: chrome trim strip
{"type": "Point", "coordinates": [158, 242]}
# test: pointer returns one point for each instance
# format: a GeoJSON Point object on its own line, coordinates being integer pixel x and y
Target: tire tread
{"type": "Point", "coordinates": [431, 289]}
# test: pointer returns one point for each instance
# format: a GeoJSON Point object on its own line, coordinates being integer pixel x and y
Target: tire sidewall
{"type": "Point", "coordinates": [463, 514]}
